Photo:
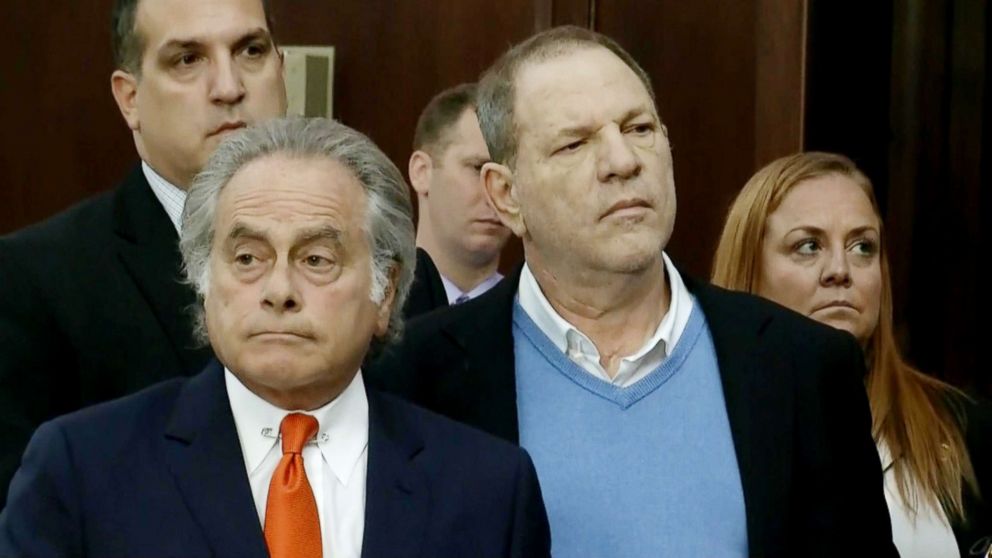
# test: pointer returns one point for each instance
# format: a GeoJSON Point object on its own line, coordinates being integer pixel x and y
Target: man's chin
{"type": "Point", "coordinates": [635, 255]}
{"type": "Point", "coordinates": [277, 361]}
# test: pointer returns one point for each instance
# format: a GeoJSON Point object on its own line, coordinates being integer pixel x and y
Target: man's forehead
{"type": "Point", "coordinates": [464, 134]}
{"type": "Point", "coordinates": [163, 21]}
{"type": "Point", "coordinates": [464, 130]}
{"type": "Point", "coordinates": [568, 89]}
{"type": "Point", "coordinates": [284, 181]}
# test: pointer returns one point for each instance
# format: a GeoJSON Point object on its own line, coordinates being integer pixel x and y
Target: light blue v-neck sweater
{"type": "Point", "coordinates": [647, 470]}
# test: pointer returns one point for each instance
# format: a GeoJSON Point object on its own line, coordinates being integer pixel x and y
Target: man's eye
{"type": "Point", "coordinates": [571, 147]}
{"type": "Point", "coordinates": [187, 59]}
{"type": "Point", "coordinates": [641, 129]}
{"type": "Point", "coordinates": [244, 259]}
{"type": "Point", "coordinates": [255, 50]}
{"type": "Point", "coordinates": [317, 261]}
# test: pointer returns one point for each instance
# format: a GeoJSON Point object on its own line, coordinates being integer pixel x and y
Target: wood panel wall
{"type": "Point", "coordinates": [902, 88]}
{"type": "Point", "coordinates": [728, 77]}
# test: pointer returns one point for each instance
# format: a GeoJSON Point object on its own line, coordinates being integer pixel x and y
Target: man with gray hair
{"type": "Point", "coordinates": [298, 240]}
{"type": "Point", "coordinates": [665, 417]}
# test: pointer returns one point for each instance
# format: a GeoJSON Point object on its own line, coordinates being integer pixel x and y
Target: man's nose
{"type": "Point", "coordinates": [616, 157]}
{"type": "Point", "coordinates": [226, 85]}
{"type": "Point", "coordinates": [280, 293]}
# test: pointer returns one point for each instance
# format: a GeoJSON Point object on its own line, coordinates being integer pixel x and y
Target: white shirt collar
{"type": "Point", "coordinates": [171, 197]}
{"type": "Point", "coordinates": [343, 434]}
{"type": "Point", "coordinates": [580, 349]}
{"type": "Point", "coordinates": [453, 292]}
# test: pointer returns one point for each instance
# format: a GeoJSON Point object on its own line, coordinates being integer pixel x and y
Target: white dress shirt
{"type": "Point", "coordinates": [171, 197]}
{"type": "Point", "coordinates": [580, 349]}
{"type": "Point", "coordinates": [454, 293]}
{"type": "Point", "coordinates": [927, 534]}
{"type": "Point", "coordinates": [336, 465]}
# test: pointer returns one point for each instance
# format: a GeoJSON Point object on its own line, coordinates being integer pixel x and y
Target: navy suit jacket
{"type": "Point", "coordinates": [793, 389]}
{"type": "Point", "coordinates": [161, 473]}
{"type": "Point", "coordinates": [91, 309]}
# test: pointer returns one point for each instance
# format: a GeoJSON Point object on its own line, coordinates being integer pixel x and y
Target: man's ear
{"type": "Point", "coordinates": [124, 86]}
{"type": "Point", "coordinates": [386, 306]}
{"type": "Point", "coordinates": [501, 190]}
{"type": "Point", "coordinates": [420, 168]}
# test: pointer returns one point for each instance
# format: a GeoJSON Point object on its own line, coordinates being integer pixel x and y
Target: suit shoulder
{"type": "Point", "coordinates": [434, 429]}
{"type": "Point", "coordinates": [783, 322]}
{"type": "Point", "coordinates": [70, 232]}
{"type": "Point", "coordinates": [74, 225]}
{"type": "Point", "coordinates": [492, 307]}
{"type": "Point", "coordinates": [144, 409]}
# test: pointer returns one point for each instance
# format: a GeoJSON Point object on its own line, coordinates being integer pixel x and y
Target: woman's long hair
{"type": "Point", "coordinates": [911, 412]}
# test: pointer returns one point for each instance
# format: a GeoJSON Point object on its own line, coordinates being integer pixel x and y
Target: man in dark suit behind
{"type": "Point", "coordinates": [91, 305]}
{"type": "Point", "coordinates": [665, 417]}
{"type": "Point", "coordinates": [298, 237]}
{"type": "Point", "coordinates": [459, 238]}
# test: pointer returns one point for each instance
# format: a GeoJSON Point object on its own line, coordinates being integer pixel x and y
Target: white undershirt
{"type": "Point", "coordinates": [580, 349]}
{"type": "Point", "coordinates": [925, 535]}
{"type": "Point", "coordinates": [336, 465]}
{"type": "Point", "coordinates": [171, 197]}
{"type": "Point", "coordinates": [453, 292]}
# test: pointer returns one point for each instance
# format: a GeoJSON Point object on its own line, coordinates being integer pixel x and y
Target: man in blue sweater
{"type": "Point", "coordinates": [665, 417]}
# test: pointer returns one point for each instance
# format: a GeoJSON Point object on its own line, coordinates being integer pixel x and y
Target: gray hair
{"type": "Point", "coordinates": [388, 219]}
{"type": "Point", "coordinates": [497, 88]}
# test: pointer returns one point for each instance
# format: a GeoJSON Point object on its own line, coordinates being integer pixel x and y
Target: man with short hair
{"type": "Point", "coordinates": [665, 417]}
{"type": "Point", "coordinates": [459, 237]}
{"type": "Point", "coordinates": [298, 238]}
{"type": "Point", "coordinates": [91, 303]}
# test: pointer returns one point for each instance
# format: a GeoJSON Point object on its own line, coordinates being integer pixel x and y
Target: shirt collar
{"type": "Point", "coordinates": [343, 425]}
{"type": "Point", "coordinates": [171, 197]}
{"type": "Point", "coordinates": [453, 292]}
{"type": "Point", "coordinates": [563, 334]}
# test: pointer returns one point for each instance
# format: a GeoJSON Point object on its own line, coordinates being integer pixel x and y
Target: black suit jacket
{"type": "Point", "coordinates": [793, 388]}
{"type": "Point", "coordinates": [161, 473]}
{"type": "Point", "coordinates": [91, 308]}
{"type": "Point", "coordinates": [427, 291]}
{"type": "Point", "coordinates": [974, 536]}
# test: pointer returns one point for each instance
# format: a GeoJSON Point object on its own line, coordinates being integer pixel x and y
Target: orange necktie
{"type": "Point", "coordinates": [292, 529]}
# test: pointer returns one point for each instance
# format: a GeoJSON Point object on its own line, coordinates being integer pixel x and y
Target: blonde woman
{"type": "Point", "coordinates": [805, 232]}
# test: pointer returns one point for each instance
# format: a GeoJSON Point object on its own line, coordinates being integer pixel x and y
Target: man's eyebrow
{"type": "Point", "coordinates": [241, 230]}
{"type": "Point", "coordinates": [586, 129]}
{"type": "Point", "coordinates": [634, 113]}
{"type": "Point", "coordinates": [575, 131]}
{"type": "Point", "coordinates": [256, 34]}
{"type": "Point", "coordinates": [181, 44]}
{"type": "Point", "coordinates": [325, 232]}
{"type": "Point", "coordinates": [259, 34]}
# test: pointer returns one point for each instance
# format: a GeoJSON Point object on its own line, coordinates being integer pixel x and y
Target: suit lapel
{"type": "Point", "coordinates": [757, 388]}
{"type": "Point", "coordinates": [397, 500]}
{"type": "Point", "coordinates": [150, 255]}
{"type": "Point", "coordinates": [203, 454]}
{"type": "Point", "coordinates": [477, 364]}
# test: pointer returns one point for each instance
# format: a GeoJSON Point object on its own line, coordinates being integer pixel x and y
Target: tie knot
{"type": "Point", "coordinates": [296, 429]}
